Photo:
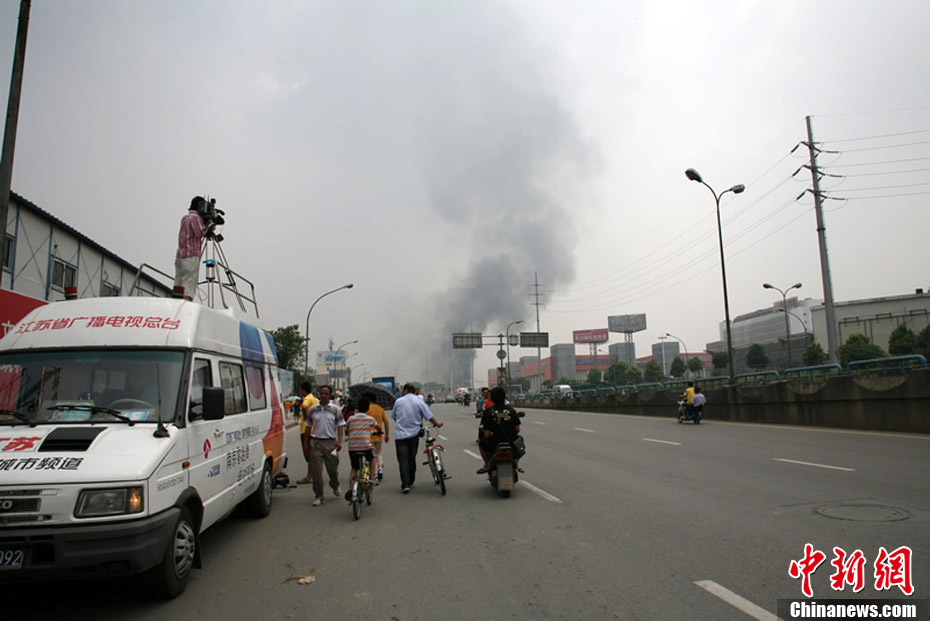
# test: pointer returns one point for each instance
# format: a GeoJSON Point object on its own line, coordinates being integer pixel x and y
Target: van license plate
{"type": "Point", "coordinates": [11, 559]}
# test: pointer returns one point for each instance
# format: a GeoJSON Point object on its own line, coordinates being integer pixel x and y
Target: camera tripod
{"type": "Point", "coordinates": [219, 277]}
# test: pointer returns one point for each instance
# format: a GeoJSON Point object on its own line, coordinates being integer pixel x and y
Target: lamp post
{"type": "Point", "coordinates": [352, 371]}
{"type": "Point", "coordinates": [307, 329]}
{"type": "Point", "coordinates": [339, 349]}
{"type": "Point", "coordinates": [784, 301]}
{"type": "Point", "coordinates": [682, 344]}
{"type": "Point", "coordinates": [664, 370]}
{"type": "Point", "coordinates": [512, 323]}
{"type": "Point", "coordinates": [694, 175]}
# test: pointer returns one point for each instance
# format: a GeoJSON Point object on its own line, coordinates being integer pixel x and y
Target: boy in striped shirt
{"type": "Point", "coordinates": [358, 432]}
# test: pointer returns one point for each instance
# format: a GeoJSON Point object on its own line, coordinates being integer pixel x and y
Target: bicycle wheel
{"type": "Point", "coordinates": [356, 501]}
{"type": "Point", "coordinates": [442, 474]}
{"type": "Point", "coordinates": [432, 467]}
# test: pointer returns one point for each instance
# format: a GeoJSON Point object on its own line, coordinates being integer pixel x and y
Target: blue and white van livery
{"type": "Point", "coordinates": [128, 426]}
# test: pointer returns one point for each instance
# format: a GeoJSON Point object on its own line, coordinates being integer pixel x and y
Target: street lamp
{"type": "Point", "coordinates": [352, 371]}
{"type": "Point", "coordinates": [664, 370]}
{"type": "Point", "coordinates": [307, 329]}
{"type": "Point", "coordinates": [339, 349]}
{"type": "Point", "coordinates": [512, 323]}
{"type": "Point", "coordinates": [694, 175]}
{"type": "Point", "coordinates": [784, 300]}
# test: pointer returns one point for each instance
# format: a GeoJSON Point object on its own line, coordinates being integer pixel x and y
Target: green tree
{"type": "Point", "coordinates": [721, 361]}
{"type": "Point", "coordinates": [902, 342]}
{"type": "Point", "coordinates": [756, 358]}
{"type": "Point", "coordinates": [594, 375]}
{"type": "Point", "coordinates": [290, 347]}
{"type": "Point", "coordinates": [923, 342]}
{"type": "Point", "coordinates": [678, 368]}
{"type": "Point", "coordinates": [632, 376]}
{"type": "Point", "coordinates": [814, 355]}
{"type": "Point", "coordinates": [653, 372]}
{"type": "Point", "coordinates": [565, 380]}
{"type": "Point", "coordinates": [858, 347]}
{"type": "Point", "coordinates": [615, 372]}
{"type": "Point", "coordinates": [695, 365]}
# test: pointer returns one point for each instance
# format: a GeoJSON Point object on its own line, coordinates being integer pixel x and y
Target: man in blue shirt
{"type": "Point", "coordinates": [409, 414]}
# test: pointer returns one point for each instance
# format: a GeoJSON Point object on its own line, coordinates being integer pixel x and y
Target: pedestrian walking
{"type": "Point", "coordinates": [326, 429]}
{"type": "Point", "coordinates": [409, 414]}
{"type": "Point", "coordinates": [307, 401]}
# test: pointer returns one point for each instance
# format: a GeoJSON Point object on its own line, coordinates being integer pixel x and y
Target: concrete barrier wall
{"type": "Point", "coordinates": [850, 402]}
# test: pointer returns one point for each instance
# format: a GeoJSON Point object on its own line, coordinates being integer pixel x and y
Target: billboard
{"type": "Point", "coordinates": [466, 340]}
{"type": "Point", "coordinates": [330, 357]}
{"type": "Point", "coordinates": [534, 339]}
{"type": "Point", "coordinates": [386, 382]}
{"type": "Point", "coordinates": [598, 335]}
{"type": "Point", "coordinates": [626, 323]}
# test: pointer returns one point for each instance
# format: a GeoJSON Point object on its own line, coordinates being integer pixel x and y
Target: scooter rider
{"type": "Point", "coordinates": [499, 423]}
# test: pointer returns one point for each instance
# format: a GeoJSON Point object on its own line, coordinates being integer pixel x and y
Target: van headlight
{"type": "Point", "coordinates": [101, 502]}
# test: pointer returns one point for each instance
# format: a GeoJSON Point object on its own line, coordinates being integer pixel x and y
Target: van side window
{"type": "Point", "coordinates": [202, 376]}
{"type": "Point", "coordinates": [233, 383]}
{"type": "Point", "coordinates": [256, 378]}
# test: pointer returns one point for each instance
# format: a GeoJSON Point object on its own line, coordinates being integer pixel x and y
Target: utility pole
{"type": "Point", "coordinates": [536, 295]}
{"type": "Point", "coordinates": [12, 116]}
{"type": "Point", "coordinates": [829, 311]}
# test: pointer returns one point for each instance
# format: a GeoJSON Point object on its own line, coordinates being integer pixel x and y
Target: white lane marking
{"type": "Point", "coordinates": [807, 463]}
{"type": "Point", "coordinates": [741, 603]}
{"type": "Point", "coordinates": [537, 422]}
{"type": "Point", "coordinates": [473, 454]}
{"type": "Point", "coordinates": [544, 494]}
{"type": "Point", "coordinates": [584, 430]}
{"type": "Point", "coordinates": [662, 441]}
{"type": "Point", "coordinates": [442, 437]}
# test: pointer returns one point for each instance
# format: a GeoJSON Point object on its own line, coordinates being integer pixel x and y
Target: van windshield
{"type": "Point", "coordinates": [76, 386]}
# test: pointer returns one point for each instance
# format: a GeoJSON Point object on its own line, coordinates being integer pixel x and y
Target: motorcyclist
{"type": "Point", "coordinates": [499, 423]}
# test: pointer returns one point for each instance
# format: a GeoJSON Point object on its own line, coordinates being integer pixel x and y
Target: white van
{"type": "Point", "coordinates": [128, 426]}
{"type": "Point", "coordinates": [562, 391]}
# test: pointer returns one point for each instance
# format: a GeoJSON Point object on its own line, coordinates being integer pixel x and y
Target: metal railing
{"type": "Point", "coordinates": [896, 365]}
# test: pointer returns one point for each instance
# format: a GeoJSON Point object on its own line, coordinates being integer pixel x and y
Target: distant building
{"type": "Point", "coordinates": [41, 256]}
{"type": "Point", "coordinates": [876, 318]}
{"type": "Point", "coordinates": [623, 352]}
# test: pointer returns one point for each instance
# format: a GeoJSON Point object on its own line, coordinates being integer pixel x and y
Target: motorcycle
{"type": "Point", "coordinates": [503, 472]}
{"type": "Point", "coordinates": [690, 414]}
{"type": "Point", "coordinates": [430, 400]}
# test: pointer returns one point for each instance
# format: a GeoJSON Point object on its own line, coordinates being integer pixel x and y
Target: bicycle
{"type": "Point", "coordinates": [362, 487]}
{"type": "Point", "coordinates": [436, 467]}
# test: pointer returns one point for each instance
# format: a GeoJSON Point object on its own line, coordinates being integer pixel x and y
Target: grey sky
{"type": "Point", "coordinates": [437, 154]}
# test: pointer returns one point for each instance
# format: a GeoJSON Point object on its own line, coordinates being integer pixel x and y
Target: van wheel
{"type": "Point", "coordinates": [259, 503]}
{"type": "Point", "coordinates": [169, 579]}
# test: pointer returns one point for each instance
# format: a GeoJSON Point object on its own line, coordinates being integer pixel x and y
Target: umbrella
{"type": "Point", "coordinates": [382, 396]}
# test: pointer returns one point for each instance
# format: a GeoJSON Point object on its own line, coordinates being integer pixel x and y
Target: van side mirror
{"type": "Point", "coordinates": [214, 403]}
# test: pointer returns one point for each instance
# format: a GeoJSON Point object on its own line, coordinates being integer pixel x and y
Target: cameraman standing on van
{"type": "Point", "coordinates": [190, 240]}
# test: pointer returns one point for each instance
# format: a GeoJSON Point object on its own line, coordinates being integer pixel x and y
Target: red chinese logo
{"type": "Point", "coordinates": [891, 569]}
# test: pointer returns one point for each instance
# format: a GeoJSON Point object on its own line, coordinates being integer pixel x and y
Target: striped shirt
{"type": "Point", "coordinates": [192, 232]}
{"type": "Point", "coordinates": [358, 430]}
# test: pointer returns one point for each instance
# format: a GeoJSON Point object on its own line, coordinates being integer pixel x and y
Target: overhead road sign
{"type": "Point", "coordinates": [534, 339]}
{"type": "Point", "coordinates": [466, 340]}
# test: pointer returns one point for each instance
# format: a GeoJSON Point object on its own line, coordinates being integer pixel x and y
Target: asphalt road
{"type": "Point", "coordinates": [617, 517]}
